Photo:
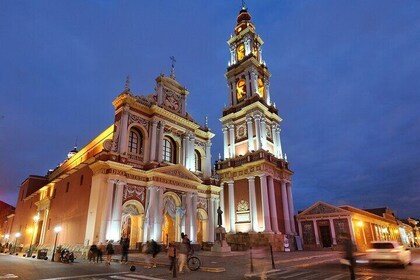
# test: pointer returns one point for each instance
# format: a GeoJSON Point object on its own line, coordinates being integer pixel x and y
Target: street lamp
{"type": "Point", "coordinates": [36, 219]}
{"type": "Point", "coordinates": [57, 229]}
{"type": "Point", "coordinates": [17, 235]}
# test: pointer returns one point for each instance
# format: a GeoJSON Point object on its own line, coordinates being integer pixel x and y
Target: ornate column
{"type": "Point", "coordinates": [117, 210]}
{"type": "Point", "coordinates": [334, 238]}
{"type": "Point", "coordinates": [210, 224]}
{"type": "Point", "coordinates": [151, 211]}
{"type": "Point", "coordinates": [248, 88]}
{"type": "Point", "coordinates": [250, 134]}
{"type": "Point", "coordinates": [253, 204]}
{"type": "Point", "coordinates": [279, 149]}
{"type": "Point", "coordinates": [285, 207]}
{"type": "Point", "coordinates": [273, 205]}
{"type": "Point", "coordinates": [266, 207]}
{"type": "Point", "coordinates": [257, 118]}
{"type": "Point", "coordinates": [191, 156]}
{"type": "Point", "coordinates": [221, 201]}
{"type": "Point", "coordinates": [105, 228]}
{"type": "Point", "coordinates": [160, 144]}
{"type": "Point", "coordinates": [207, 165]}
{"type": "Point", "coordinates": [153, 141]}
{"type": "Point", "coordinates": [260, 55]}
{"type": "Point", "coordinates": [349, 221]}
{"type": "Point", "coordinates": [44, 225]}
{"type": "Point", "coordinates": [225, 143]}
{"type": "Point", "coordinates": [232, 140]}
{"type": "Point", "coordinates": [124, 126]}
{"type": "Point", "coordinates": [267, 92]}
{"type": "Point", "coordinates": [274, 137]}
{"type": "Point", "coordinates": [178, 218]}
{"type": "Point", "coordinates": [232, 55]}
{"type": "Point", "coordinates": [188, 214]}
{"type": "Point", "coordinates": [193, 231]}
{"type": "Point", "coordinates": [316, 233]}
{"type": "Point", "coordinates": [232, 207]}
{"type": "Point", "coordinates": [300, 228]}
{"type": "Point", "coordinates": [291, 207]}
{"type": "Point", "coordinates": [263, 134]}
{"type": "Point", "coordinates": [158, 214]}
{"type": "Point", "coordinates": [184, 150]}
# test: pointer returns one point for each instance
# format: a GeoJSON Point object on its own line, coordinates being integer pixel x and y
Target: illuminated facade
{"type": "Point", "coordinates": [255, 174]}
{"type": "Point", "coordinates": [326, 226]}
{"type": "Point", "coordinates": [147, 176]}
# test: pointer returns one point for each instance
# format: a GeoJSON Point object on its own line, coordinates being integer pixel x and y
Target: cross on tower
{"type": "Point", "coordinates": [243, 5]}
{"type": "Point", "coordinates": [173, 67]}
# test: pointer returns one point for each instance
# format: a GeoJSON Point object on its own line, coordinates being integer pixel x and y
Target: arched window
{"type": "Point", "coordinates": [197, 157]}
{"type": "Point", "coordinates": [135, 142]}
{"type": "Point", "coordinates": [168, 150]}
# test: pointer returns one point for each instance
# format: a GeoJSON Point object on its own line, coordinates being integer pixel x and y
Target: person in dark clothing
{"type": "Point", "coordinates": [171, 256]}
{"type": "Point", "coordinates": [155, 249]}
{"type": "Point", "coordinates": [349, 256]}
{"type": "Point", "coordinates": [109, 252]}
{"type": "Point", "coordinates": [93, 252]}
{"type": "Point", "coordinates": [101, 248]}
{"type": "Point", "coordinates": [125, 244]}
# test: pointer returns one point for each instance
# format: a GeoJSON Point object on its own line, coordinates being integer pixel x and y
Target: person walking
{"type": "Point", "coordinates": [109, 252]}
{"type": "Point", "coordinates": [155, 249]}
{"type": "Point", "coordinates": [171, 256]}
{"type": "Point", "coordinates": [101, 248]}
{"type": "Point", "coordinates": [125, 244]}
{"type": "Point", "coordinates": [349, 256]}
{"type": "Point", "coordinates": [93, 251]}
{"type": "Point", "coordinates": [184, 250]}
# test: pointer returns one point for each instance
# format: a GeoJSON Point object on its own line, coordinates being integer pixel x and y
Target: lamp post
{"type": "Point", "coordinates": [57, 229]}
{"type": "Point", "coordinates": [36, 219]}
{"type": "Point", "coordinates": [17, 235]}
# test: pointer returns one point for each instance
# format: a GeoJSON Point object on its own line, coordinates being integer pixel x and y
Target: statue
{"type": "Point", "coordinates": [219, 217]}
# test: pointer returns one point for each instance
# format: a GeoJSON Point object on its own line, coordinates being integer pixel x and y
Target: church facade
{"type": "Point", "coordinates": [149, 174]}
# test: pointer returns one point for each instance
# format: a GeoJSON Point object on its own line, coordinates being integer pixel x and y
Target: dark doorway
{"type": "Point", "coordinates": [325, 236]}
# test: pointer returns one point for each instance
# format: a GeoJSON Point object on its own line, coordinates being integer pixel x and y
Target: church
{"type": "Point", "coordinates": [150, 174]}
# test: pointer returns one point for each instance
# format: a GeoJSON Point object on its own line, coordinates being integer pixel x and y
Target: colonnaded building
{"type": "Point", "coordinates": [149, 175]}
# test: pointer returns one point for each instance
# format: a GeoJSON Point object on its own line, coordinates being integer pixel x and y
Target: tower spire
{"type": "Point", "coordinates": [127, 84]}
{"type": "Point", "coordinates": [173, 67]}
{"type": "Point", "coordinates": [243, 5]}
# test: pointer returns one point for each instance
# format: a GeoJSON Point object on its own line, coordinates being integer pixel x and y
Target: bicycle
{"type": "Point", "coordinates": [193, 262]}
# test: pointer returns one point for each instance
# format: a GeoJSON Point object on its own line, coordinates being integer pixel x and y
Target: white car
{"type": "Point", "coordinates": [388, 252]}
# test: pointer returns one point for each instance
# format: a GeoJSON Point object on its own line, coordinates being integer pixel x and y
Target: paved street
{"type": "Point", "coordinates": [293, 266]}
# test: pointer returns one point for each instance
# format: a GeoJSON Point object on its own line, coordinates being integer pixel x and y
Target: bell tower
{"type": "Point", "coordinates": [254, 172]}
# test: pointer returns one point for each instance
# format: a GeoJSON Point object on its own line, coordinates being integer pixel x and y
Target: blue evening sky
{"type": "Point", "coordinates": [345, 77]}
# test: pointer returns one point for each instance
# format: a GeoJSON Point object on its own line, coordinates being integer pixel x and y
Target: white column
{"type": "Point", "coordinates": [160, 144]}
{"type": "Point", "coordinates": [291, 207]}
{"type": "Point", "coordinates": [247, 44]}
{"type": "Point", "coordinates": [300, 228]}
{"type": "Point", "coordinates": [158, 215]}
{"type": "Point", "coordinates": [210, 224]}
{"type": "Point", "coordinates": [151, 211]}
{"type": "Point", "coordinates": [263, 134]}
{"type": "Point", "coordinates": [105, 230]}
{"type": "Point", "coordinates": [44, 225]}
{"type": "Point", "coordinates": [146, 220]}
{"type": "Point", "coordinates": [193, 231]}
{"type": "Point", "coordinates": [191, 155]}
{"type": "Point", "coordinates": [279, 149]}
{"type": "Point", "coordinates": [207, 165]}
{"type": "Point", "coordinates": [254, 81]}
{"type": "Point", "coordinates": [250, 134]}
{"type": "Point", "coordinates": [222, 202]}
{"type": "Point", "coordinates": [232, 140]}
{"type": "Point", "coordinates": [117, 210]}
{"type": "Point", "coordinates": [267, 92]}
{"type": "Point", "coordinates": [334, 238]}
{"type": "Point", "coordinates": [273, 205]}
{"type": "Point", "coordinates": [188, 214]}
{"type": "Point", "coordinates": [178, 218]}
{"type": "Point", "coordinates": [285, 207]}
{"type": "Point", "coordinates": [274, 137]}
{"type": "Point", "coordinates": [232, 207]}
{"type": "Point", "coordinates": [187, 150]}
{"type": "Point", "coordinates": [316, 233]}
{"type": "Point", "coordinates": [225, 143]}
{"type": "Point", "coordinates": [253, 204]}
{"type": "Point", "coordinates": [232, 55]}
{"type": "Point", "coordinates": [260, 54]}
{"type": "Point", "coordinates": [153, 141]}
{"type": "Point", "coordinates": [351, 229]}
{"type": "Point", "coordinates": [184, 150]}
{"type": "Point", "coordinates": [123, 130]}
{"type": "Point", "coordinates": [265, 203]}
{"type": "Point", "coordinates": [248, 89]}
{"type": "Point", "coordinates": [257, 119]}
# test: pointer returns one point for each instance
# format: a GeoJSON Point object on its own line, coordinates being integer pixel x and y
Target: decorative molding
{"type": "Point", "coordinates": [134, 192]}
{"type": "Point", "coordinates": [139, 120]}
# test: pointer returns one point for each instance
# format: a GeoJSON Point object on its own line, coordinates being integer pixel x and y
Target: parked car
{"type": "Point", "coordinates": [388, 252]}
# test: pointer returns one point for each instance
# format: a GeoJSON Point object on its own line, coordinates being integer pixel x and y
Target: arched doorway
{"type": "Point", "coordinates": [132, 222]}
{"type": "Point", "coordinates": [201, 221]}
{"type": "Point", "coordinates": [170, 222]}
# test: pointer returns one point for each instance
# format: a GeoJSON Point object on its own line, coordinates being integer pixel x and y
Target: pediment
{"type": "Point", "coordinates": [322, 208]}
{"type": "Point", "coordinates": [178, 171]}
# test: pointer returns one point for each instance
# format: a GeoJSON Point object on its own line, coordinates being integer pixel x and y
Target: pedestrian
{"type": "Point", "coordinates": [93, 251]}
{"type": "Point", "coordinates": [171, 256]}
{"type": "Point", "coordinates": [184, 250]}
{"type": "Point", "coordinates": [146, 249]}
{"type": "Point", "coordinates": [101, 248]}
{"type": "Point", "coordinates": [125, 244]}
{"type": "Point", "coordinates": [155, 249]}
{"type": "Point", "coordinates": [350, 257]}
{"type": "Point", "coordinates": [109, 252]}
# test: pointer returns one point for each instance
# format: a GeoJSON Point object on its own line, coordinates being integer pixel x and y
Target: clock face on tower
{"type": "Point", "coordinates": [171, 103]}
{"type": "Point", "coordinates": [240, 89]}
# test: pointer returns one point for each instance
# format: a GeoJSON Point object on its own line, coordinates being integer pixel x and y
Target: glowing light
{"type": "Point", "coordinates": [359, 224]}
{"type": "Point", "coordinates": [7, 236]}
{"type": "Point", "coordinates": [36, 218]}
{"type": "Point", "coordinates": [57, 229]}
{"type": "Point", "coordinates": [17, 234]}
